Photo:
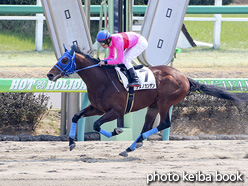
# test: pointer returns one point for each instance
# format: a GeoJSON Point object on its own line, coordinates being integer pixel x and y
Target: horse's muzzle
{"type": "Point", "coordinates": [51, 77]}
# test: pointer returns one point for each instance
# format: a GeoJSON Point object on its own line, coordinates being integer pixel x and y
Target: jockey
{"type": "Point", "coordinates": [128, 46]}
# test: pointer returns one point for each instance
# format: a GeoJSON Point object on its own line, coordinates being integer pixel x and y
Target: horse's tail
{"type": "Point", "coordinates": [217, 92]}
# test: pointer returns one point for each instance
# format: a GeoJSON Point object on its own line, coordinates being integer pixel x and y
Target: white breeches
{"type": "Point", "coordinates": [131, 53]}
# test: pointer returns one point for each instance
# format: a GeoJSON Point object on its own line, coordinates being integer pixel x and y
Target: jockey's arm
{"type": "Point", "coordinates": [116, 43]}
{"type": "Point", "coordinates": [111, 53]}
{"type": "Point", "coordinates": [119, 59]}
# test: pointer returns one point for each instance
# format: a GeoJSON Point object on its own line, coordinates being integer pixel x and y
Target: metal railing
{"type": "Point", "coordinates": [137, 9]}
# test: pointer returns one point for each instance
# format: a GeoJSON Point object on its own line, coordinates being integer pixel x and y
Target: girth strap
{"type": "Point", "coordinates": [130, 99]}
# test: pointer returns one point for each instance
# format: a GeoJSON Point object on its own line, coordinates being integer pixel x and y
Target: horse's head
{"type": "Point", "coordinates": [65, 66]}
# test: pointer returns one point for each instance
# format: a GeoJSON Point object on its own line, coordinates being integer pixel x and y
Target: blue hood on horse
{"type": "Point", "coordinates": [66, 63]}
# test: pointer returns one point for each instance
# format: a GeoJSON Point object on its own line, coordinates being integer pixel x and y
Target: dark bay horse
{"type": "Point", "coordinates": [108, 96]}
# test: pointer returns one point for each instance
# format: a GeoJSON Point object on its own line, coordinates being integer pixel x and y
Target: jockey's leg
{"type": "Point", "coordinates": [134, 78]}
{"type": "Point", "coordinates": [129, 55]}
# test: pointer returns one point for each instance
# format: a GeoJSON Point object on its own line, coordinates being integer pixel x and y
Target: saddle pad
{"type": "Point", "coordinates": [146, 78]}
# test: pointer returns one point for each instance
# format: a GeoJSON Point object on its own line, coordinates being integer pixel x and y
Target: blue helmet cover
{"type": "Point", "coordinates": [102, 35]}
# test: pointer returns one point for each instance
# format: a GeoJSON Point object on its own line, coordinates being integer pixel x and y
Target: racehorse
{"type": "Point", "coordinates": [108, 96]}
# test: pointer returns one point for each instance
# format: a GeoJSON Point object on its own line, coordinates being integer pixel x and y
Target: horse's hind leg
{"type": "Point", "coordinates": [162, 125]}
{"type": "Point", "coordinates": [149, 120]}
{"type": "Point", "coordinates": [151, 115]}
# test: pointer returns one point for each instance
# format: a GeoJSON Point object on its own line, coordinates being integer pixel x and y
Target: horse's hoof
{"type": "Point", "coordinates": [72, 146]}
{"type": "Point", "coordinates": [139, 144]}
{"type": "Point", "coordinates": [118, 131]}
{"type": "Point", "coordinates": [124, 154]}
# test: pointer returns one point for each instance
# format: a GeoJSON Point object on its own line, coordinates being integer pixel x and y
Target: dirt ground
{"type": "Point", "coordinates": [98, 163]}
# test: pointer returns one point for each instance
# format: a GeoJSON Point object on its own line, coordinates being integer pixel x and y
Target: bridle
{"type": "Point", "coordinates": [70, 66]}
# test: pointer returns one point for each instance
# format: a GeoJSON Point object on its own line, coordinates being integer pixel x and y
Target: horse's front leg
{"type": "Point", "coordinates": [108, 116]}
{"type": "Point", "coordinates": [88, 111]}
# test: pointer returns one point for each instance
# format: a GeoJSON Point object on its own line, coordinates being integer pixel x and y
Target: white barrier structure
{"type": "Point", "coordinates": [216, 42]}
{"type": "Point", "coordinates": [161, 27]}
{"type": "Point", "coordinates": [67, 26]}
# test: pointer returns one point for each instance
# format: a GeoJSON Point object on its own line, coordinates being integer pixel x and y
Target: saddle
{"type": "Point", "coordinates": [146, 78]}
{"type": "Point", "coordinates": [124, 70]}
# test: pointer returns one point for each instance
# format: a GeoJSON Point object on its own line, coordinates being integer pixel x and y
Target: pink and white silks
{"type": "Point", "coordinates": [128, 46]}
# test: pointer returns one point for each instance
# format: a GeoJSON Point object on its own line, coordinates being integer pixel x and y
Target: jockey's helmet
{"type": "Point", "coordinates": [103, 35]}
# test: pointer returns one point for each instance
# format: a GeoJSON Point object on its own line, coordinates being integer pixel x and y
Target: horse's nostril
{"type": "Point", "coordinates": [50, 76]}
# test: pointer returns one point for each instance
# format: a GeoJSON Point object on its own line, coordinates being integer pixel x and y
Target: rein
{"type": "Point", "coordinates": [70, 68]}
{"type": "Point", "coordinates": [111, 80]}
{"type": "Point", "coordinates": [96, 65]}
{"type": "Point", "coordinates": [67, 73]}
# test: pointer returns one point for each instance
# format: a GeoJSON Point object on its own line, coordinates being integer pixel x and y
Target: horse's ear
{"type": "Point", "coordinates": [64, 47]}
{"type": "Point", "coordinates": [72, 50]}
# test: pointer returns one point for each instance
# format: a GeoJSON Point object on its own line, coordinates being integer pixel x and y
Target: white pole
{"type": "Point", "coordinates": [39, 30]}
{"type": "Point", "coordinates": [217, 27]}
{"type": "Point", "coordinates": [87, 11]}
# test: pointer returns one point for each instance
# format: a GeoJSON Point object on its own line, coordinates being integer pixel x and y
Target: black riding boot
{"type": "Point", "coordinates": [134, 78]}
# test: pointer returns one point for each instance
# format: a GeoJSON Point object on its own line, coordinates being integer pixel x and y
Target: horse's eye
{"type": "Point", "coordinates": [64, 60]}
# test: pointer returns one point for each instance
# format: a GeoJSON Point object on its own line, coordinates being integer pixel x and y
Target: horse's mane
{"type": "Point", "coordinates": [88, 54]}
